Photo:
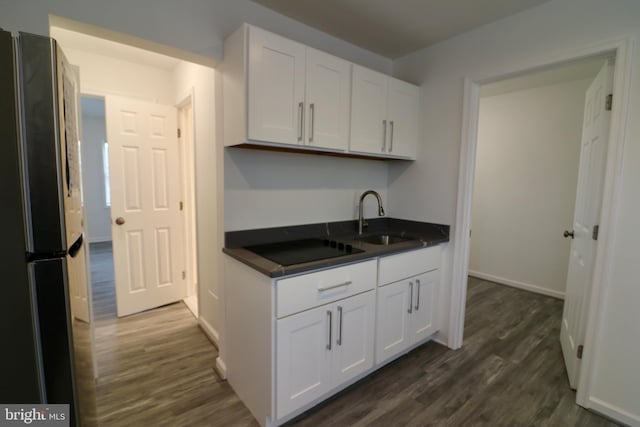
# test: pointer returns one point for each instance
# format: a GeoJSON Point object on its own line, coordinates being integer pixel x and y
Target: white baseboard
{"type": "Point", "coordinates": [615, 413]}
{"type": "Point", "coordinates": [210, 332]}
{"type": "Point", "coordinates": [192, 304]}
{"type": "Point", "coordinates": [516, 284]}
{"type": "Point", "coordinates": [221, 368]}
{"type": "Point", "coordinates": [99, 239]}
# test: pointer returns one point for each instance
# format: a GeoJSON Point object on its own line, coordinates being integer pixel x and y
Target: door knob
{"type": "Point", "coordinates": [568, 234]}
{"type": "Point", "coordinates": [120, 221]}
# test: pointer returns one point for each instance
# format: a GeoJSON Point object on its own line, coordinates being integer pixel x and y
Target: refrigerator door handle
{"type": "Point", "coordinates": [75, 248]}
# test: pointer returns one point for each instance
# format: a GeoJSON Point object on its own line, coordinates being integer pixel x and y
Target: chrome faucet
{"type": "Point", "coordinates": [361, 222]}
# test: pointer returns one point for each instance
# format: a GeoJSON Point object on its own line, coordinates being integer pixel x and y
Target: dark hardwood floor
{"type": "Point", "coordinates": [156, 368]}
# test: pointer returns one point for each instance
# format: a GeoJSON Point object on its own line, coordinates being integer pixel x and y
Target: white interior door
{"type": "Point", "coordinates": [77, 271]}
{"type": "Point", "coordinates": [145, 204]}
{"type": "Point", "coordinates": [593, 154]}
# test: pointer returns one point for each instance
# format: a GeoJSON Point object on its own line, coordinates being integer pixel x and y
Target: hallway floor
{"type": "Point", "coordinates": [156, 368]}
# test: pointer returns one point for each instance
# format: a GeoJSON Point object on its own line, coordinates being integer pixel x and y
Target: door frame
{"type": "Point", "coordinates": [622, 49]}
{"type": "Point", "coordinates": [187, 151]}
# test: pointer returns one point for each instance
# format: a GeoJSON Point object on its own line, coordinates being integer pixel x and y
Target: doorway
{"type": "Point", "coordinates": [526, 176]}
{"type": "Point", "coordinates": [619, 48]}
{"type": "Point", "coordinates": [534, 141]}
{"type": "Point", "coordinates": [186, 151]}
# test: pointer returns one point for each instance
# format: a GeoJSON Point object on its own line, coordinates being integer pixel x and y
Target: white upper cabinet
{"type": "Point", "coordinates": [368, 111]}
{"type": "Point", "coordinates": [328, 87]}
{"type": "Point", "coordinates": [403, 115]}
{"type": "Point", "coordinates": [280, 93]}
{"type": "Point", "coordinates": [276, 88]}
{"type": "Point", "coordinates": [384, 114]}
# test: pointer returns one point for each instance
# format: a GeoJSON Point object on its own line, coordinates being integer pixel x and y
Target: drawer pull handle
{"type": "Point", "coordinates": [410, 309]}
{"type": "Point", "coordinates": [339, 341]}
{"type": "Point", "coordinates": [339, 285]}
{"type": "Point", "coordinates": [330, 315]}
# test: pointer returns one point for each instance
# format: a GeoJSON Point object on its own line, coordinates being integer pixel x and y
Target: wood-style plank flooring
{"type": "Point", "coordinates": [156, 368]}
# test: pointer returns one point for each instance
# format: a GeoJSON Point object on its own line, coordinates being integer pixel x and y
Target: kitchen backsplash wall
{"type": "Point", "coordinates": [269, 189]}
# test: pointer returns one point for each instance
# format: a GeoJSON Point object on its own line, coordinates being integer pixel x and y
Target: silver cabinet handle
{"type": "Point", "coordinates": [417, 294]}
{"type": "Point", "coordinates": [384, 135]}
{"type": "Point", "coordinates": [391, 136]}
{"type": "Point", "coordinates": [339, 285]}
{"type": "Point", "coordinates": [330, 315]}
{"type": "Point", "coordinates": [410, 310]}
{"type": "Point", "coordinates": [300, 119]}
{"type": "Point", "coordinates": [339, 340]}
{"type": "Point", "coordinates": [312, 118]}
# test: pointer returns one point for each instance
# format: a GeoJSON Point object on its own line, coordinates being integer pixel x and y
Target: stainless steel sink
{"type": "Point", "coordinates": [383, 239]}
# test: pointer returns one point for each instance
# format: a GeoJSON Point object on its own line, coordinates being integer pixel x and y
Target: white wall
{"type": "Point", "coordinates": [199, 26]}
{"type": "Point", "coordinates": [199, 81]}
{"type": "Point", "coordinates": [427, 190]}
{"type": "Point", "coordinates": [525, 184]}
{"type": "Point", "coordinates": [102, 75]}
{"type": "Point", "coordinates": [99, 215]}
{"type": "Point", "coordinates": [270, 189]}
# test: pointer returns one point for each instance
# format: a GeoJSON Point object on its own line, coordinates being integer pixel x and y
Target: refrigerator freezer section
{"type": "Point", "coordinates": [19, 356]}
{"type": "Point", "coordinates": [42, 148]}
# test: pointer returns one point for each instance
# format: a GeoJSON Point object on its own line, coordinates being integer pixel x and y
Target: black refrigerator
{"type": "Point", "coordinates": [46, 352]}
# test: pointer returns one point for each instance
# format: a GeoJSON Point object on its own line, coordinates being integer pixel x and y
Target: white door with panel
{"type": "Point", "coordinates": [593, 154]}
{"type": "Point", "coordinates": [276, 88]}
{"type": "Point", "coordinates": [328, 90]}
{"type": "Point", "coordinates": [78, 275]}
{"type": "Point", "coordinates": [145, 204]}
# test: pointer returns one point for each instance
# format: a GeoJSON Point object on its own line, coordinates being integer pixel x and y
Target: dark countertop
{"type": "Point", "coordinates": [421, 234]}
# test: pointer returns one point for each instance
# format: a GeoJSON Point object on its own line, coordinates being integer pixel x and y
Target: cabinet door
{"type": "Point", "coordinates": [327, 100]}
{"type": "Point", "coordinates": [276, 69]}
{"type": "Point", "coordinates": [303, 358]}
{"type": "Point", "coordinates": [355, 321]}
{"type": "Point", "coordinates": [392, 320]}
{"type": "Point", "coordinates": [368, 111]}
{"type": "Point", "coordinates": [425, 297]}
{"type": "Point", "coordinates": [403, 113]}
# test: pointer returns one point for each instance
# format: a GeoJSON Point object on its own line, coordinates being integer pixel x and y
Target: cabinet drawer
{"type": "Point", "coordinates": [303, 292]}
{"type": "Point", "coordinates": [408, 264]}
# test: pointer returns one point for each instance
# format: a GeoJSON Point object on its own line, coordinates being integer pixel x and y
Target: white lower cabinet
{"type": "Point", "coordinates": [406, 314]}
{"type": "Point", "coordinates": [321, 349]}
{"type": "Point", "coordinates": [296, 340]}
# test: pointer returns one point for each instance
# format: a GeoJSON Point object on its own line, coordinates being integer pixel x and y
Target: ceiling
{"type": "Point", "coordinates": [73, 40]}
{"type": "Point", "coordinates": [394, 28]}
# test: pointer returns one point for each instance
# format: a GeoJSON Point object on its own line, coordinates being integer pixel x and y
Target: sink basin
{"type": "Point", "coordinates": [383, 239]}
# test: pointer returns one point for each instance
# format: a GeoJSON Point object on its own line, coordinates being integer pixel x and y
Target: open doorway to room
{"type": "Point", "coordinates": [136, 159]}
{"type": "Point", "coordinates": [600, 159]}
{"type": "Point", "coordinates": [534, 153]}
